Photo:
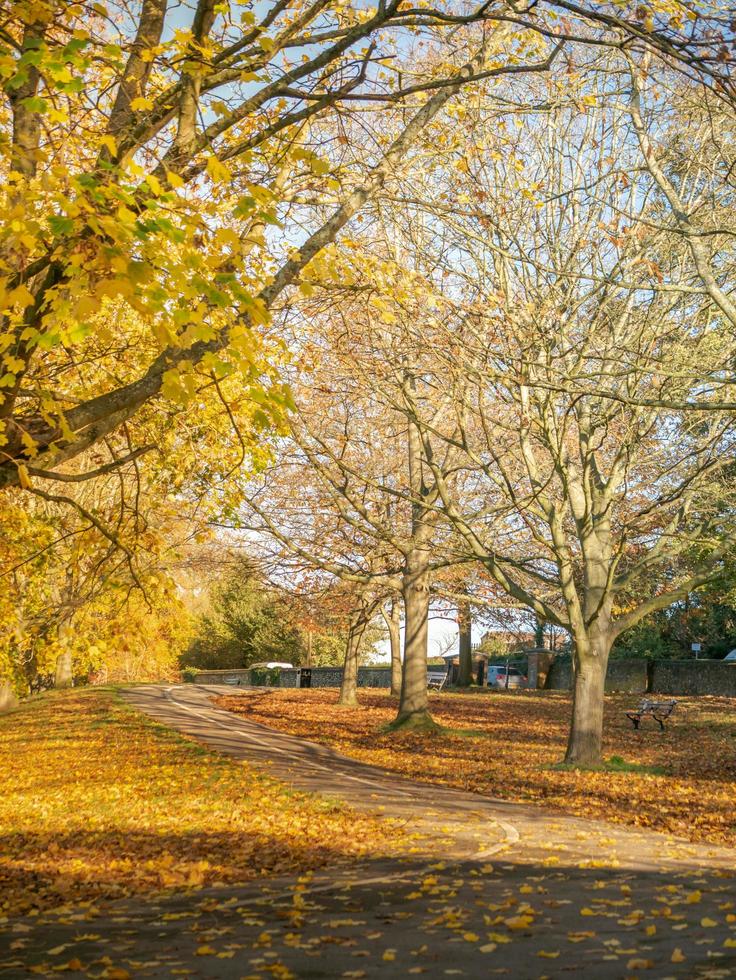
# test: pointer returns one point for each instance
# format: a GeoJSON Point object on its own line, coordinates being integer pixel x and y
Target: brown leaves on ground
{"type": "Point", "coordinates": [513, 740]}
{"type": "Point", "coordinates": [98, 802]}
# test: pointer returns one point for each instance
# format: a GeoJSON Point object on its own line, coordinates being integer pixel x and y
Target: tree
{"type": "Point", "coordinates": [75, 606]}
{"type": "Point", "coordinates": [148, 152]}
{"type": "Point", "coordinates": [465, 645]}
{"type": "Point", "coordinates": [391, 612]}
{"type": "Point", "coordinates": [365, 511]}
{"type": "Point", "coordinates": [707, 616]}
{"type": "Point", "coordinates": [247, 623]}
{"type": "Point", "coordinates": [574, 362]}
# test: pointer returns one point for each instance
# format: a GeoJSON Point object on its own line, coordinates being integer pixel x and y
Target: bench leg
{"type": "Point", "coordinates": [634, 720]}
{"type": "Point", "coordinates": [660, 722]}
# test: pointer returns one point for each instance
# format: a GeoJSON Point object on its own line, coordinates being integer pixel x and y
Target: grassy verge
{"type": "Point", "coordinates": [682, 780]}
{"type": "Point", "coordinates": [96, 802]}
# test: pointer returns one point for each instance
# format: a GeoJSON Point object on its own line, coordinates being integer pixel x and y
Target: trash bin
{"type": "Point", "coordinates": [305, 677]}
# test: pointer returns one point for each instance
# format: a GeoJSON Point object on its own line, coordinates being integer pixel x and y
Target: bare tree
{"type": "Point", "coordinates": [366, 507]}
{"type": "Point", "coordinates": [596, 490]}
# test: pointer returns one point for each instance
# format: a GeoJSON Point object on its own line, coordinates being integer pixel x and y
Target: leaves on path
{"type": "Point", "coordinates": [506, 745]}
{"type": "Point", "coordinates": [98, 802]}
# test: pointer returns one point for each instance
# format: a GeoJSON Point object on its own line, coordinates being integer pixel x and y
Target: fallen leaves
{"type": "Point", "coordinates": [687, 786]}
{"type": "Point", "coordinates": [518, 921]}
{"type": "Point", "coordinates": [96, 801]}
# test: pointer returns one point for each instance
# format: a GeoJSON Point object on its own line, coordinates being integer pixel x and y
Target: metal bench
{"type": "Point", "coordinates": [659, 710]}
{"type": "Point", "coordinates": [435, 683]}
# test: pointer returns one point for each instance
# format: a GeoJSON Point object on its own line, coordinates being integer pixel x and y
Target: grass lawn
{"type": "Point", "coordinates": [96, 801]}
{"type": "Point", "coordinates": [682, 781]}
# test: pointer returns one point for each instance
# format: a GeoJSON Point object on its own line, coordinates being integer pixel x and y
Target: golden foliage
{"type": "Point", "coordinates": [97, 802]}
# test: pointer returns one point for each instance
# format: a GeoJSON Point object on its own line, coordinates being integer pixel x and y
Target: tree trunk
{"type": "Point", "coordinates": [310, 643]}
{"type": "Point", "coordinates": [64, 672]}
{"type": "Point", "coordinates": [465, 637]}
{"type": "Point", "coordinates": [414, 702]}
{"type": "Point", "coordinates": [590, 662]}
{"type": "Point", "coordinates": [63, 675]}
{"type": "Point", "coordinates": [349, 686]}
{"type": "Point", "coordinates": [538, 633]}
{"type": "Point", "coordinates": [8, 700]}
{"type": "Point", "coordinates": [393, 624]}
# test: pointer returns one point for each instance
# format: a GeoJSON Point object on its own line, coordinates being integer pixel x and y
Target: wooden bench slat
{"type": "Point", "coordinates": [659, 710]}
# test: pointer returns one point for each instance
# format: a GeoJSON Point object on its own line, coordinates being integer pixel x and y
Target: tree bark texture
{"type": "Point", "coordinates": [465, 638]}
{"type": "Point", "coordinates": [349, 686]}
{"type": "Point", "coordinates": [393, 624]}
{"type": "Point", "coordinates": [590, 662]}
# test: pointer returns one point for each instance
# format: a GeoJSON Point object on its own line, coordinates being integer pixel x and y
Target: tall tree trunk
{"type": "Point", "coordinates": [392, 619]}
{"type": "Point", "coordinates": [63, 674]}
{"type": "Point", "coordinates": [349, 686]}
{"type": "Point", "coordinates": [310, 645]}
{"type": "Point", "coordinates": [465, 638]}
{"type": "Point", "coordinates": [590, 662]}
{"type": "Point", "coordinates": [414, 702]}
{"type": "Point", "coordinates": [538, 633]}
{"type": "Point", "coordinates": [8, 700]}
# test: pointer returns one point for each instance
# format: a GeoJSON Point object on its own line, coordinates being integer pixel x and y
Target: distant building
{"type": "Point", "coordinates": [501, 642]}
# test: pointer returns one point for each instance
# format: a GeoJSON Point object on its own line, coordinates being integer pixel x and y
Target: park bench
{"type": "Point", "coordinates": [659, 710]}
{"type": "Point", "coordinates": [435, 682]}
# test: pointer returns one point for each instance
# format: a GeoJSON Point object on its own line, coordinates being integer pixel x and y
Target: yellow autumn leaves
{"type": "Point", "coordinates": [96, 802]}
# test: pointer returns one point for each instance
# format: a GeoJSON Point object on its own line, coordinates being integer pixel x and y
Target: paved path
{"type": "Point", "coordinates": [516, 891]}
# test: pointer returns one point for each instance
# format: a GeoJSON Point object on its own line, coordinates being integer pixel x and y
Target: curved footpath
{"type": "Point", "coordinates": [490, 887]}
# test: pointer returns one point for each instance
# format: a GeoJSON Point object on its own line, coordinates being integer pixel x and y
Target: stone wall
{"type": "Point", "coordinates": [374, 677]}
{"type": "Point", "coordinates": [326, 676]}
{"type": "Point", "coordinates": [321, 677]}
{"type": "Point", "coordinates": [636, 676]}
{"type": "Point", "coordinates": [332, 677]}
{"type": "Point", "coordinates": [235, 677]}
{"type": "Point", "coordinates": [629, 676]}
{"type": "Point", "coordinates": [694, 677]}
{"type": "Point", "coordinates": [639, 676]}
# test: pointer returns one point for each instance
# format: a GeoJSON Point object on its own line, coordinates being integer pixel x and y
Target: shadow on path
{"type": "Point", "coordinates": [497, 889]}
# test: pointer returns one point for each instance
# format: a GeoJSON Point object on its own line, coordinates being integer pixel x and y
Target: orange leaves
{"type": "Point", "coordinates": [685, 783]}
{"type": "Point", "coordinates": [98, 802]}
